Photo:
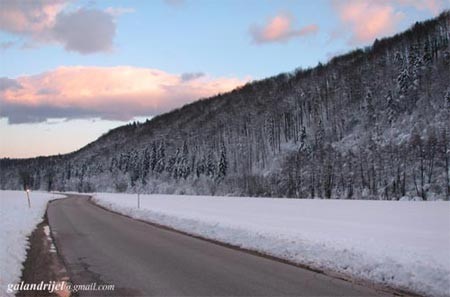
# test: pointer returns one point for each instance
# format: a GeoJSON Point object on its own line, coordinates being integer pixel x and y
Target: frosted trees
{"type": "Point", "coordinates": [338, 130]}
{"type": "Point", "coordinates": [418, 170]}
{"type": "Point", "coordinates": [134, 168]}
{"type": "Point", "coordinates": [210, 166]}
{"type": "Point", "coordinates": [223, 163]}
{"type": "Point", "coordinates": [153, 158]}
{"type": "Point", "coordinates": [161, 158]}
{"type": "Point", "coordinates": [146, 160]}
{"type": "Point", "coordinates": [183, 166]}
{"type": "Point", "coordinates": [391, 107]}
{"type": "Point", "coordinates": [444, 150]}
{"type": "Point", "coordinates": [25, 179]}
{"type": "Point", "coordinates": [369, 110]}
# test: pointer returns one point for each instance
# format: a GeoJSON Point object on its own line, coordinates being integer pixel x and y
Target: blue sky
{"type": "Point", "coordinates": [208, 36]}
{"type": "Point", "coordinates": [64, 63]}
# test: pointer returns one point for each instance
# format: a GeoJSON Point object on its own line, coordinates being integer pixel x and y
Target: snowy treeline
{"type": "Point", "coordinates": [374, 124]}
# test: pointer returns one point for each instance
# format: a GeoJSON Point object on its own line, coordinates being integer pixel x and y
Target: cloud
{"type": "Point", "coordinates": [29, 17]}
{"type": "Point", "coordinates": [47, 91]}
{"type": "Point", "coordinates": [84, 30]}
{"type": "Point", "coordinates": [191, 75]}
{"type": "Point", "coordinates": [367, 20]}
{"type": "Point", "coordinates": [7, 44]}
{"type": "Point", "coordinates": [9, 84]}
{"type": "Point", "coordinates": [279, 29]}
{"type": "Point", "coordinates": [118, 93]}
{"type": "Point", "coordinates": [117, 11]}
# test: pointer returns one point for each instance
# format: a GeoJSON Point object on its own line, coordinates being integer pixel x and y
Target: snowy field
{"type": "Point", "coordinates": [17, 222]}
{"type": "Point", "coordinates": [404, 244]}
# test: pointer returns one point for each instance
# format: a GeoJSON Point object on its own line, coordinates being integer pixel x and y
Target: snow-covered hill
{"type": "Point", "coordinates": [371, 124]}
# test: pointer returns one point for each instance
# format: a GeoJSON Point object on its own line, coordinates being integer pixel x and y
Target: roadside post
{"type": "Point", "coordinates": [28, 198]}
{"type": "Point", "coordinates": [138, 190]}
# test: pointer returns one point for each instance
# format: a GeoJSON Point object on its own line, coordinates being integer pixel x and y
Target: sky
{"type": "Point", "coordinates": [72, 70]}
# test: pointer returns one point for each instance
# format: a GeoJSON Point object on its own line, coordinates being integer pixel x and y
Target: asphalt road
{"type": "Point", "coordinates": [102, 247]}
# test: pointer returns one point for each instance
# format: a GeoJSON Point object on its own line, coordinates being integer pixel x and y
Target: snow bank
{"type": "Point", "coordinates": [17, 222]}
{"type": "Point", "coordinates": [398, 243]}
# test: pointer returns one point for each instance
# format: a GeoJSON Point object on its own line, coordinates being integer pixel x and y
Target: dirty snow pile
{"type": "Point", "coordinates": [405, 244]}
{"type": "Point", "coordinates": [17, 222]}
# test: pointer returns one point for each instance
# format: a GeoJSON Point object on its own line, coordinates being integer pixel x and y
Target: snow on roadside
{"type": "Point", "coordinates": [17, 222]}
{"type": "Point", "coordinates": [404, 244]}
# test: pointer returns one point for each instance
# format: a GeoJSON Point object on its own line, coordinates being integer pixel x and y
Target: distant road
{"type": "Point", "coordinates": [144, 260]}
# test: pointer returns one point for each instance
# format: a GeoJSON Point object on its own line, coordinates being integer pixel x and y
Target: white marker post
{"type": "Point", "coordinates": [139, 200]}
{"type": "Point", "coordinates": [28, 197]}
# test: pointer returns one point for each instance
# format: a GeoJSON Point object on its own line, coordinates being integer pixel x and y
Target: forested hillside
{"type": "Point", "coordinates": [371, 124]}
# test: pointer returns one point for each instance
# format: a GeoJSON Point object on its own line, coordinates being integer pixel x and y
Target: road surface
{"type": "Point", "coordinates": [140, 259]}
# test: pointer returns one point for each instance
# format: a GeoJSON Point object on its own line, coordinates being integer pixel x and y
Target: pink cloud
{"type": "Point", "coordinates": [367, 20]}
{"type": "Point", "coordinates": [120, 92]}
{"type": "Point", "coordinates": [29, 17]}
{"type": "Point", "coordinates": [279, 29]}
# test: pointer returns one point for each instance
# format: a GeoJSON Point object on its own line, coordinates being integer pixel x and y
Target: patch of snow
{"type": "Point", "coordinates": [17, 222]}
{"type": "Point", "coordinates": [49, 238]}
{"type": "Point", "coordinates": [408, 198]}
{"type": "Point", "coordinates": [47, 231]}
{"type": "Point", "coordinates": [400, 244]}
